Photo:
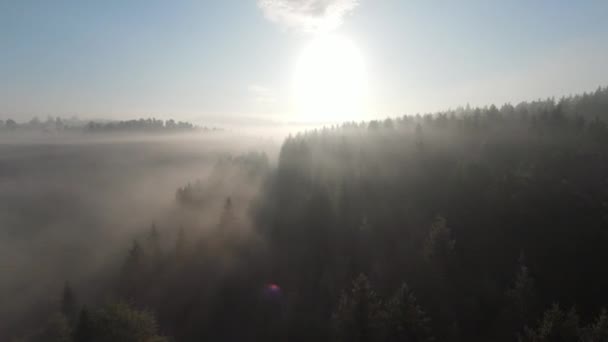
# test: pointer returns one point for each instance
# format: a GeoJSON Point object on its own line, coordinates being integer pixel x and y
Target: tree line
{"type": "Point", "coordinates": [59, 124]}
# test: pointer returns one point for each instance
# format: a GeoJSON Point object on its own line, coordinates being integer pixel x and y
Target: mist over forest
{"type": "Point", "coordinates": [472, 224]}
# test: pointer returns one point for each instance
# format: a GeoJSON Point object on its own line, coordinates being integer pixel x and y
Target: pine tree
{"type": "Point", "coordinates": [556, 325]}
{"type": "Point", "coordinates": [359, 316]}
{"type": "Point", "coordinates": [406, 319]}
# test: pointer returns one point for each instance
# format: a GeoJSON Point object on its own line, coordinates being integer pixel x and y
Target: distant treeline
{"type": "Point", "coordinates": [57, 124]}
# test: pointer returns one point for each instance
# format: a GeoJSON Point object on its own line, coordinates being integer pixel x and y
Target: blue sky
{"type": "Point", "coordinates": [232, 60]}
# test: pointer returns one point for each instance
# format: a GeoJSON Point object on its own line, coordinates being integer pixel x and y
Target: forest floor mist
{"type": "Point", "coordinates": [72, 203]}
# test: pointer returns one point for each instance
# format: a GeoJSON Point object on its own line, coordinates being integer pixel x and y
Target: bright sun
{"type": "Point", "coordinates": [330, 83]}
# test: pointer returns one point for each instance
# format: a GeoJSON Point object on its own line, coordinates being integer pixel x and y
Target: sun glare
{"type": "Point", "coordinates": [330, 82]}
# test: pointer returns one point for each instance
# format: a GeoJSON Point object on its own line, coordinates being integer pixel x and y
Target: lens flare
{"type": "Point", "coordinates": [272, 290]}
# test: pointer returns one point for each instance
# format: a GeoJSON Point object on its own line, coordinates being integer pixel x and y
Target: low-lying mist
{"type": "Point", "coordinates": [71, 205]}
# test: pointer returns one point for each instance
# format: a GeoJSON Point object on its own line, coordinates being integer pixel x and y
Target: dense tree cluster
{"type": "Point", "coordinates": [495, 218]}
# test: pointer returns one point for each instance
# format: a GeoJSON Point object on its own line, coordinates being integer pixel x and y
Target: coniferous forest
{"type": "Point", "coordinates": [473, 224]}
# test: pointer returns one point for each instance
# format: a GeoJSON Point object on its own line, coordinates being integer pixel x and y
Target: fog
{"type": "Point", "coordinates": [71, 204]}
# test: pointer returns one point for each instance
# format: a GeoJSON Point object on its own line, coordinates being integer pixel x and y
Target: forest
{"type": "Point", "coordinates": [472, 224]}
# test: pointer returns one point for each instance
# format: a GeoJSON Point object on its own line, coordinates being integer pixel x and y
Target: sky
{"type": "Point", "coordinates": [233, 61]}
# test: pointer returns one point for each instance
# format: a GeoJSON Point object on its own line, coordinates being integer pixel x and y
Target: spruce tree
{"type": "Point", "coordinates": [407, 321]}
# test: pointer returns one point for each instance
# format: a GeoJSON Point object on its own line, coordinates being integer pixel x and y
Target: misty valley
{"type": "Point", "coordinates": [473, 224]}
